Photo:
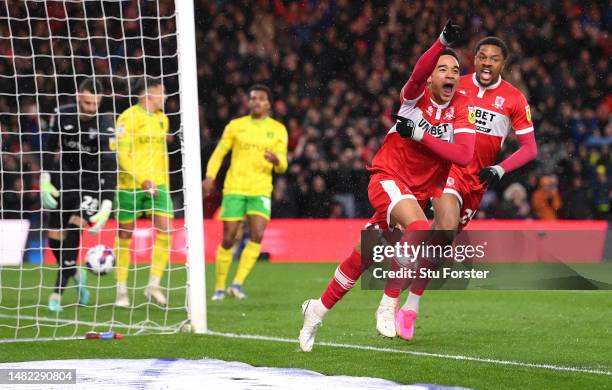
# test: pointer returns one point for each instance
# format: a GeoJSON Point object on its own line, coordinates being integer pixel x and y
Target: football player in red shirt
{"type": "Point", "coordinates": [435, 128]}
{"type": "Point", "coordinates": [500, 108]}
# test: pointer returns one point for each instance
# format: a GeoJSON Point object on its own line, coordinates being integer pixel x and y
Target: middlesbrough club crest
{"type": "Point", "coordinates": [499, 102]}
{"type": "Point", "coordinates": [449, 114]}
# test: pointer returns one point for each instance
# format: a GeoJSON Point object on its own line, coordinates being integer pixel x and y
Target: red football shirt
{"type": "Point", "coordinates": [413, 162]}
{"type": "Point", "coordinates": [500, 108]}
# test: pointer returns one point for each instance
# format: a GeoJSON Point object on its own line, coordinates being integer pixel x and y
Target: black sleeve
{"type": "Point", "coordinates": [108, 158]}
{"type": "Point", "coordinates": [49, 149]}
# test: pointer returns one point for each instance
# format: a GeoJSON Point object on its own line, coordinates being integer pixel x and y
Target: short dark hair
{"type": "Point", "coordinates": [144, 83]}
{"type": "Point", "coordinates": [495, 41]}
{"type": "Point", "coordinates": [91, 85]}
{"type": "Point", "coordinates": [450, 52]}
{"type": "Point", "coordinates": [263, 88]}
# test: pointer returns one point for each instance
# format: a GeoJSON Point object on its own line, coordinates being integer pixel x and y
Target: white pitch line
{"type": "Point", "coordinates": [357, 347]}
{"type": "Point", "coordinates": [416, 353]}
{"type": "Point", "coordinates": [34, 339]}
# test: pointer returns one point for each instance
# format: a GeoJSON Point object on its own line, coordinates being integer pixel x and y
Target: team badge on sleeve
{"type": "Point", "coordinates": [528, 112]}
{"type": "Point", "coordinates": [471, 115]}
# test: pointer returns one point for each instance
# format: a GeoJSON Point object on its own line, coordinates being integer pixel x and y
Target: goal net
{"type": "Point", "coordinates": [46, 49]}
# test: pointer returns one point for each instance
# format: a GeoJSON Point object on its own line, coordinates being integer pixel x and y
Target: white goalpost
{"type": "Point", "coordinates": [47, 48]}
{"type": "Point", "coordinates": [192, 165]}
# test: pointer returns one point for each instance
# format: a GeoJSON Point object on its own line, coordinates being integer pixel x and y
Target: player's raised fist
{"type": "Point", "coordinates": [451, 33]}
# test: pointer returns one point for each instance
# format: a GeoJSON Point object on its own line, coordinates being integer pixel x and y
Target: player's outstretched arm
{"type": "Point", "coordinates": [427, 62]}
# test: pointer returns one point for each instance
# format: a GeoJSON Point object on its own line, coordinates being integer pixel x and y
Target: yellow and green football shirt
{"type": "Point", "coordinates": [141, 148]}
{"type": "Point", "coordinates": [248, 139]}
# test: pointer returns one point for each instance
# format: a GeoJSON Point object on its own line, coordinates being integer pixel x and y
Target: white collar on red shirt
{"type": "Point", "coordinates": [481, 89]}
{"type": "Point", "coordinates": [436, 105]}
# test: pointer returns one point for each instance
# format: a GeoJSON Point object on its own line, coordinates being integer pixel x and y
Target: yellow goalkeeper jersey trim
{"type": "Point", "coordinates": [248, 139]}
{"type": "Point", "coordinates": [141, 147]}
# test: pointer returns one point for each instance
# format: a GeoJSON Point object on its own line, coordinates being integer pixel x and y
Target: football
{"type": "Point", "coordinates": [100, 259]}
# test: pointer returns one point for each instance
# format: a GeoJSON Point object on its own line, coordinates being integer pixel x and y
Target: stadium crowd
{"type": "Point", "coordinates": [335, 69]}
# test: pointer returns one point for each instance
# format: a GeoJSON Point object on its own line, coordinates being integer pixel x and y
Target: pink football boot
{"type": "Point", "coordinates": [404, 323]}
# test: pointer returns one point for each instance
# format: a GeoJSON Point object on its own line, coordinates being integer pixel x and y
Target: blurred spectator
{"type": "Point", "coordinates": [337, 211]}
{"type": "Point", "coordinates": [318, 200]}
{"type": "Point", "coordinates": [515, 204]}
{"type": "Point", "coordinates": [546, 200]}
{"type": "Point", "coordinates": [283, 202]}
{"type": "Point", "coordinates": [488, 205]}
{"type": "Point", "coordinates": [577, 203]}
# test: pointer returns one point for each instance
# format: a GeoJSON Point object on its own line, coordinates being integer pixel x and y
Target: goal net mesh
{"type": "Point", "coordinates": [46, 49]}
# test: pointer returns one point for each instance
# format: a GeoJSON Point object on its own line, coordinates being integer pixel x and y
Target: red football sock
{"type": "Point", "coordinates": [391, 290]}
{"type": "Point", "coordinates": [420, 283]}
{"type": "Point", "coordinates": [344, 279]}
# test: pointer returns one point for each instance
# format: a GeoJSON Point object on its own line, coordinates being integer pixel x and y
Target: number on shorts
{"type": "Point", "coordinates": [266, 202]}
{"type": "Point", "coordinates": [469, 214]}
{"type": "Point", "coordinates": [89, 205]}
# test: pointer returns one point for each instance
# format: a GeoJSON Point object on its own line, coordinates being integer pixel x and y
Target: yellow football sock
{"type": "Point", "coordinates": [248, 258]}
{"type": "Point", "coordinates": [222, 266]}
{"type": "Point", "coordinates": [161, 254]}
{"type": "Point", "coordinates": [122, 251]}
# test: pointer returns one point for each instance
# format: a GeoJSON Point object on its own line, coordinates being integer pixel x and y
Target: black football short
{"type": "Point", "coordinates": [82, 203]}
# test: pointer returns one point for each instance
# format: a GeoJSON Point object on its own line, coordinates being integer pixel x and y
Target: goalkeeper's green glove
{"type": "Point", "coordinates": [48, 192]}
{"type": "Point", "coordinates": [101, 216]}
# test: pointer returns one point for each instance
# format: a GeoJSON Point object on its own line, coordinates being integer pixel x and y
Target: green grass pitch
{"type": "Point", "coordinates": [557, 328]}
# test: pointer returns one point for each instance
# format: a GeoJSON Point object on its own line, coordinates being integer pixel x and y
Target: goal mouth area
{"type": "Point", "coordinates": [56, 122]}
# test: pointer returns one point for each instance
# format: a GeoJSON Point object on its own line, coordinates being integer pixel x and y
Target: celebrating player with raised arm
{"type": "Point", "coordinates": [144, 184]}
{"type": "Point", "coordinates": [435, 127]}
{"type": "Point", "coordinates": [259, 147]}
{"type": "Point", "coordinates": [78, 187]}
{"type": "Point", "coordinates": [500, 108]}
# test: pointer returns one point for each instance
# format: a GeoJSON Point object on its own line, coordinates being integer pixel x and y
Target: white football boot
{"type": "Point", "coordinates": [312, 322]}
{"type": "Point", "coordinates": [154, 293]}
{"type": "Point", "coordinates": [385, 317]}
